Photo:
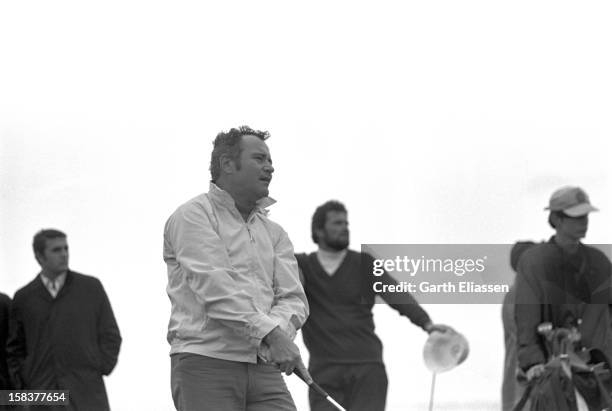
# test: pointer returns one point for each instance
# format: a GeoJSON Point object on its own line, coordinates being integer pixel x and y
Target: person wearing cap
{"type": "Point", "coordinates": [564, 282]}
{"type": "Point", "coordinates": [345, 353]}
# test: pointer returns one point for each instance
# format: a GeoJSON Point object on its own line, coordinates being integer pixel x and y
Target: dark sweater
{"type": "Point", "coordinates": [340, 328]}
{"type": "Point", "coordinates": [67, 342]}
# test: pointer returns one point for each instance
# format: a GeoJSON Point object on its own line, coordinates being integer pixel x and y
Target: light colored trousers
{"type": "Point", "coordinates": [201, 383]}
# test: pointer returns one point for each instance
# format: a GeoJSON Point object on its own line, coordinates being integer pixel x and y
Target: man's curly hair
{"type": "Point", "coordinates": [229, 144]}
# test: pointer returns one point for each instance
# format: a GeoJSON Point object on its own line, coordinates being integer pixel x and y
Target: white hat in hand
{"type": "Point", "coordinates": [444, 351]}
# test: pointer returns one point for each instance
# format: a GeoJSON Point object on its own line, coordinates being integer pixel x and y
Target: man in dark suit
{"type": "Point", "coordinates": [62, 334]}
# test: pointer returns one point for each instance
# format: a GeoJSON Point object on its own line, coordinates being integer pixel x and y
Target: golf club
{"type": "Point", "coordinates": [318, 389]}
{"type": "Point", "coordinates": [310, 382]}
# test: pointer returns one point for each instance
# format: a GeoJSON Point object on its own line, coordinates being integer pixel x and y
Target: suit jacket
{"type": "Point", "coordinates": [68, 342]}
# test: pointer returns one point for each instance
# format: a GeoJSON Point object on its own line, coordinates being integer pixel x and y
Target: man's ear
{"type": "Point", "coordinates": [227, 164]}
{"type": "Point", "coordinates": [319, 233]}
{"type": "Point", "coordinates": [555, 219]}
{"type": "Point", "coordinates": [39, 258]}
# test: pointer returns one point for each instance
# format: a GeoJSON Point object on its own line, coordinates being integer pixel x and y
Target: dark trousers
{"type": "Point", "coordinates": [201, 383]}
{"type": "Point", "coordinates": [357, 387]}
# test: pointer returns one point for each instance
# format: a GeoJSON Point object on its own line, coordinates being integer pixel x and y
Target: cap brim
{"type": "Point", "coordinates": [579, 210]}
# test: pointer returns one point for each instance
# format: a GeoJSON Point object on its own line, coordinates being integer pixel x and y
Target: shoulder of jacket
{"type": "Point", "coordinates": [538, 259]}
{"type": "Point", "coordinates": [271, 223]}
{"type": "Point", "coordinates": [597, 253]}
{"type": "Point", "coordinates": [198, 205]}
{"type": "Point", "coordinates": [84, 278]}
{"type": "Point", "coordinates": [26, 289]}
{"type": "Point", "coordinates": [201, 201]}
{"type": "Point", "coordinates": [540, 251]}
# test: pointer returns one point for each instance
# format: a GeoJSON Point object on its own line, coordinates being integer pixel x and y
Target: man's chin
{"type": "Point", "coordinates": [264, 193]}
{"type": "Point", "coordinates": [338, 246]}
{"type": "Point", "coordinates": [259, 194]}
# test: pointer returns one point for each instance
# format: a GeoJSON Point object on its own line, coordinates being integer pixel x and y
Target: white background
{"type": "Point", "coordinates": [435, 122]}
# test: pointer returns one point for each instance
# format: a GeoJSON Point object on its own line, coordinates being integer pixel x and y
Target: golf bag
{"type": "Point", "coordinates": [587, 371]}
{"type": "Point", "coordinates": [551, 391]}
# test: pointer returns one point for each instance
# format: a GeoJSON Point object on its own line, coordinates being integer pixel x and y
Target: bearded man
{"type": "Point", "coordinates": [345, 353]}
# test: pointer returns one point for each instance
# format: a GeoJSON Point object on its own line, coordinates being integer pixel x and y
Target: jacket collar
{"type": "Point", "coordinates": [40, 288]}
{"type": "Point", "coordinates": [552, 240]}
{"type": "Point", "coordinates": [223, 197]}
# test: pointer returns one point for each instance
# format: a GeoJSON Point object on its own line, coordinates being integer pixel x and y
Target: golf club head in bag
{"type": "Point", "coordinates": [444, 351]}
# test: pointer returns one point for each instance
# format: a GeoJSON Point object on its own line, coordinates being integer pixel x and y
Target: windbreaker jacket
{"type": "Point", "coordinates": [230, 281]}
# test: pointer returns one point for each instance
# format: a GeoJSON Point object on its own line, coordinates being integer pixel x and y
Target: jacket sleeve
{"type": "Point", "coordinates": [290, 307]}
{"type": "Point", "coordinates": [528, 314]}
{"type": "Point", "coordinates": [16, 346]}
{"type": "Point", "coordinates": [109, 338]}
{"type": "Point", "coordinates": [409, 307]}
{"type": "Point", "coordinates": [203, 259]}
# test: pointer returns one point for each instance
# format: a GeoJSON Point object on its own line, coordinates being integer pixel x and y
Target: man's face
{"type": "Point", "coordinates": [54, 258]}
{"type": "Point", "coordinates": [254, 171]}
{"type": "Point", "coordinates": [336, 232]}
{"type": "Point", "coordinates": [573, 228]}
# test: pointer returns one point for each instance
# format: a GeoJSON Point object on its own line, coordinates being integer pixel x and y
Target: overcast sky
{"type": "Point", "coordinates": [435, 122]}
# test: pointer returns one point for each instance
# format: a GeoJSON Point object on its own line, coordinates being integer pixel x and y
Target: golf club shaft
{"type": "Point", "coordinates": [312, 384]}
{"type": "Point", "coordinates": [431, 394]}
{"type": "Point", "coordinates": [318, 389]}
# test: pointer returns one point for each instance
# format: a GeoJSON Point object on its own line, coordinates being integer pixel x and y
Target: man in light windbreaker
{"type": "Point", "coordinates": [234, 286]}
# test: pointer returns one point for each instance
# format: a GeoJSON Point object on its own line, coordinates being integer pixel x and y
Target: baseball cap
{"type": "Point", "coordinates": [573, 201]}
{"type": "Point", "coordinates": [443, 351]}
